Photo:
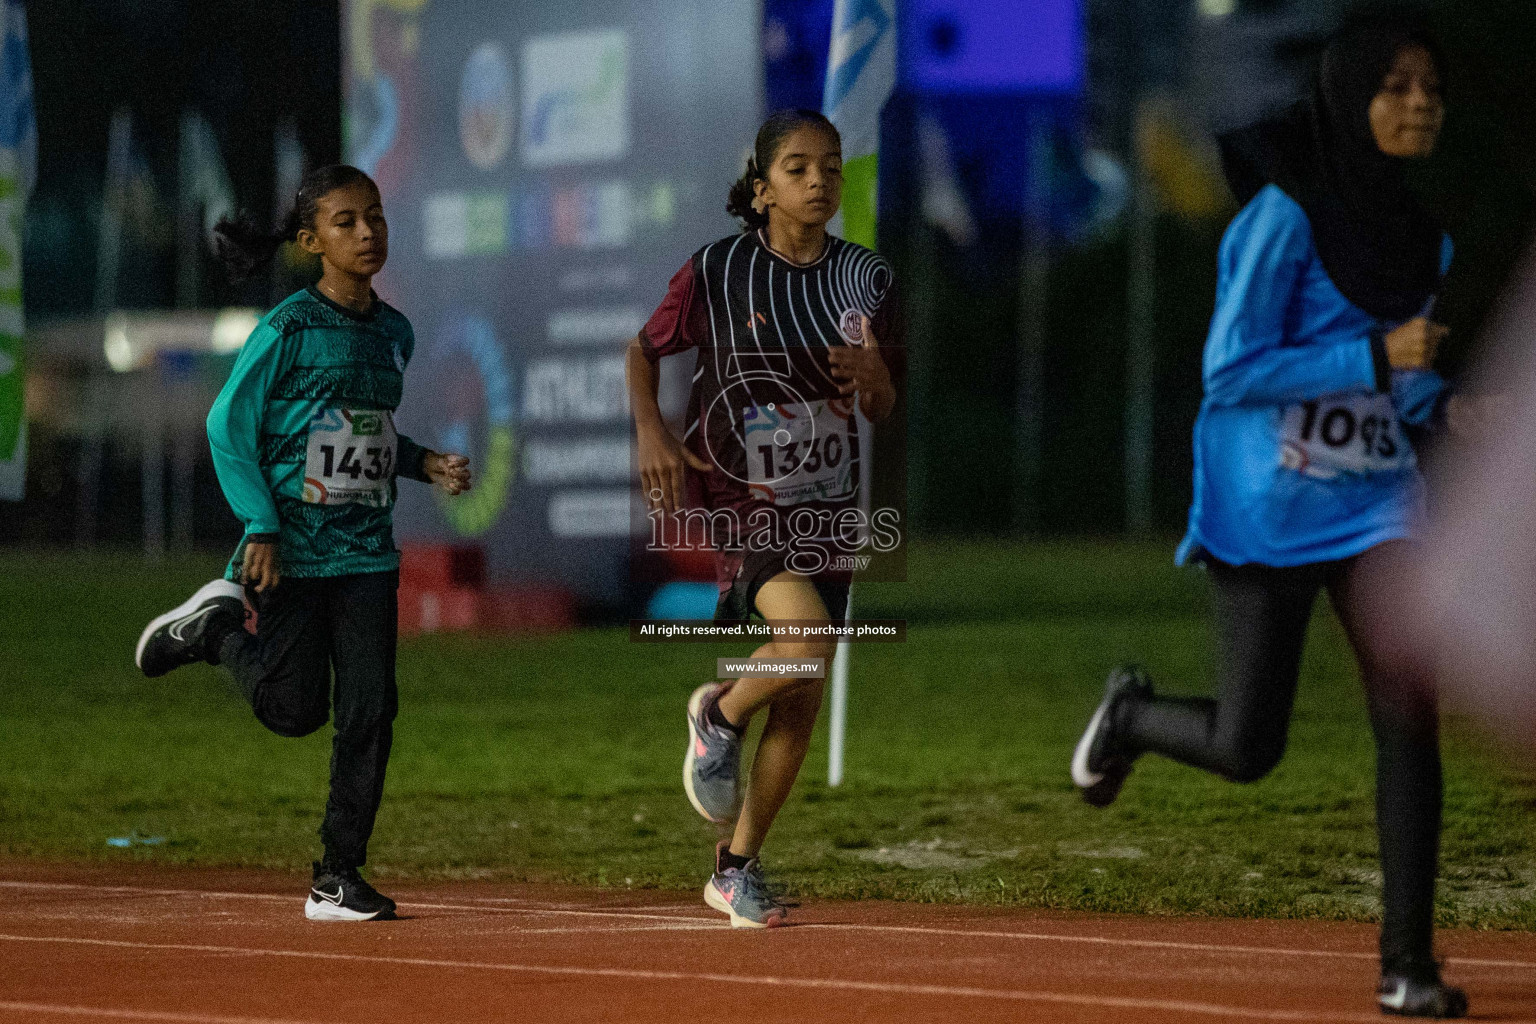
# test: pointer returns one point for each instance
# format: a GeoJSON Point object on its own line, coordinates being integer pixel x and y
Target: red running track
{"type": "Point", "coordinates": [226, 947]}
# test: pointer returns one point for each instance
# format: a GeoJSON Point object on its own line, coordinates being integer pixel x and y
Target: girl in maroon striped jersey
{"type": "Point", "coordinates": [788, 322]}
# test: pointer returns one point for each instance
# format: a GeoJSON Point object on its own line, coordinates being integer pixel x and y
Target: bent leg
{"type": "Point", "coordinates": [784, 598]}
{"type": "Point", "coordinates": [363, 629]}
{"type": "Point", "coordinates": [793, 706]}
{"type": "Point", "coordinates": [284, 670]}
{"type": "Point", "coordinates": [1260, 619]}
{"type": "Point", "coordinates": [1400, 695]}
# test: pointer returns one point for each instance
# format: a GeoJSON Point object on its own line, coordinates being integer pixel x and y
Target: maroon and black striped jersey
{"type": "Point", "coordinates": [764, 409]}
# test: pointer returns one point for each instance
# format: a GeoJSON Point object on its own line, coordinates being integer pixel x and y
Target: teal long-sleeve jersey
{"type": "Point", "coordinates": [303, 435]}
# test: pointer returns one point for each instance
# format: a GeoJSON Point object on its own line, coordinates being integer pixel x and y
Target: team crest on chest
{"type": "Point", "coordinates": [852, 326]}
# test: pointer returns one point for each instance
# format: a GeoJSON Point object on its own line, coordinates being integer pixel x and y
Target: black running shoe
{"type": "Point", "coordinates": [180, 636]}
{"type": "Point", "coordinates": [1099, 769]}
{"type": "Point", "coordinates": [1414, 989]}
{"type": "Point", "coordinates": [340, 894]}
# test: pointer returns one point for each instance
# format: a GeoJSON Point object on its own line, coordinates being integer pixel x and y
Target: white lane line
{"type": "Point", "coordinates": [208, 894]}
{"type": "Point", "coordinates": [1092, 940]}
{"type": "Point", "coordinates": [153, 1015]}
{"type": "Point", "coordinates": [772, 981]}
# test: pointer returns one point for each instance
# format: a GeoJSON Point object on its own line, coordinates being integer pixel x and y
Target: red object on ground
{"type": "Point", "coordinates": [443, 590]}
{"type": "Point", "coordinates": [528, 609]}
{"type": "Point", "coordinates": [443, 610]}
{"type": "Point", "coordinates": [152, 943]}
{"type": "Point", "coordinates": [442, 566]}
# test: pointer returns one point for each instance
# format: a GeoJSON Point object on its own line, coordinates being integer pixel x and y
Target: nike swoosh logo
{"type": "Point", "coordinates": [328, 897]}
{"type": "Point", "coordinates": [1398, 999]}
{"type": "Point", "coordinates": [178, 629]}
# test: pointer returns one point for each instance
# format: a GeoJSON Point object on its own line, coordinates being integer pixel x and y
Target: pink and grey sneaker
{"type": "Point", "coordinates": [712, 766]}
{"type": "Point", "coordinates": [744, 894]}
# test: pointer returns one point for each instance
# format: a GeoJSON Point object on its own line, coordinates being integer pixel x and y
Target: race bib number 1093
{"type": "Point", "coordinates": [350, 457]}
{"type": "Point", "coordinates": [1345, 435]}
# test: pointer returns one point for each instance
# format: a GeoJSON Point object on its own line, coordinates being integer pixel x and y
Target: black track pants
{"type": "Point", "coordinates": [306, 628]}
{"type": "Point", "coordinates": [1261, 616]}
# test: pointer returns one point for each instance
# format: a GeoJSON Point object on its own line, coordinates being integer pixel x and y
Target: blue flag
{"type": "Point", "coordinates": [18, 171]}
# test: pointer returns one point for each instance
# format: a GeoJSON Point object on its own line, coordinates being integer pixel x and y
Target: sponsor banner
{"type": "Point", "coordinates": [595, 326]}
{"type": "Point", "coordinates": [861, 72]}
{"type": "Point", "coordinates": [582, 514]}
{"type": "Point", "coordinates": [575, 98]}
{"type": "Point", "coordinates": [458, 224]}
{"type": "Point", "coordinates": [486, 111]}
{"type": "Point", "coordinates": [598, 460]}
{"type": "Point", "coordinates": [547, 165]}
{"type": "Point", "coordinates": [575, 391]}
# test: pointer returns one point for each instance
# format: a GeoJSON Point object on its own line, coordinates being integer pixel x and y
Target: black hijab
{"type": "Point", "coordinates": [1380, 247]}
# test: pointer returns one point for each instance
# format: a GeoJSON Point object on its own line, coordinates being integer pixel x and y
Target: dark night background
{"type": "Point", "coordinates": [247, 67]}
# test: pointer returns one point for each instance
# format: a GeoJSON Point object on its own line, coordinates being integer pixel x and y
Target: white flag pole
{"type": "Point", "coordinates": [839, 717]}
{"type": "Point", "coordinates": [861, 74]}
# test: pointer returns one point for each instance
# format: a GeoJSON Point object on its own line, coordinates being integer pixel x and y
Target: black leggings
{"type": "Point", "coordinates": [1261, 616]}
{"type": "Point", "coordinates": [306, 628]}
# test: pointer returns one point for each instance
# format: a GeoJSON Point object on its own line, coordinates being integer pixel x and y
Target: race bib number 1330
{"type": "Point", "coordinates": [802, 451]}
{"type": "Point", "coordinates": [350, 457]}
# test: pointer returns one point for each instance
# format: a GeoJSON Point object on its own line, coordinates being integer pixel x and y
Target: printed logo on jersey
{"type": "Point", "coordinates": [485, 106]}
{"type": "Point", "coordinates": [851, 326]}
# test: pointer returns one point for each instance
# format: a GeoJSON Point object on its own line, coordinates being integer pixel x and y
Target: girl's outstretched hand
{"type": "Point", "coordinates": [450, 472]}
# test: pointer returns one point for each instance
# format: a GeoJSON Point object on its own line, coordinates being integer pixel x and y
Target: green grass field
{"type": "Point", "coordinates": [559, 758]}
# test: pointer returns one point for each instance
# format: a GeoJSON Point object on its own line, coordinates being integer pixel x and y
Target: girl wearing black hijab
{"type": "Point", "coordinates": [1318, 357]}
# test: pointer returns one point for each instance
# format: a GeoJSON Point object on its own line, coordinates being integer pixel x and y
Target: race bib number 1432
{"type": "Point", "coordinates": [350, 457]}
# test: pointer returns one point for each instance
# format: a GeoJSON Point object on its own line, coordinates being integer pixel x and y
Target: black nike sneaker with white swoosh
{"type": "Point", "coordinates": [181, 636]}
{"type": "Point", "coordinates": [1413, 988]}
{"type": "Point", "coordinates": [1099, 766]}
{"type": "Point", "coordinates": [341, 894]}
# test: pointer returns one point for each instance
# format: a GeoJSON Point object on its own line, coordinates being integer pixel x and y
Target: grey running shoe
{"type": "Point", "coordinates": [713, 764]}
{"type": "Point", "coordinates": [744, 894]}
{"type": "Point", "coordinates": [179, 637]}
{"type": "Point", "coordinates": [1099, 768]}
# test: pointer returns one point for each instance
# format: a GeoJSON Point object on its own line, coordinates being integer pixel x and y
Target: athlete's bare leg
{"type": "Point", "coordinates": [792, 708]}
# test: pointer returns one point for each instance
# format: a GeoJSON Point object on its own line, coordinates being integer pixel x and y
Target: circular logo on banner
{"type": "Point", "coordinates": [485, 106]}
{"type": "Point", "coordinates": [475, 417]}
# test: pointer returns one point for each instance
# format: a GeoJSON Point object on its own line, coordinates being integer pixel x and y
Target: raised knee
{"type": "Point", "coordinates": [1249, 765]}
{"type": "Point", "coordinates": [292, 723]}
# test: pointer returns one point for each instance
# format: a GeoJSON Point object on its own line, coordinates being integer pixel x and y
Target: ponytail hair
{"type": "Point", "coordinates": [244, 247]}
{"type": "Point", "coordinates": [770, 138]}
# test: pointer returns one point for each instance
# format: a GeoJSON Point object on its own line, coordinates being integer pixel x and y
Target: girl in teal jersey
{"type": "Point", "coordinates": [304, 444]}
